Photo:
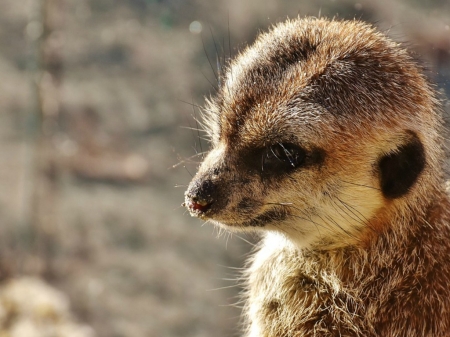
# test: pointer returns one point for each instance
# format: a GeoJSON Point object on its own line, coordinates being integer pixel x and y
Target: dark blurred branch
{"type": "Point", "coordinates": [40, 176]}
{"type": "Point", "coordinates": [32, 133]}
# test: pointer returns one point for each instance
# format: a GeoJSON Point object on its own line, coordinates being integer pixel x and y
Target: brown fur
{"type": "Point", "coordinates": [356, 232]}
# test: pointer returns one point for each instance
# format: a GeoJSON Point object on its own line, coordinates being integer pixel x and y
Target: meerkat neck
{"type": "Point", "coordinates": [400, 241]}
{"type": "Point", "coordinates": [390, 235]}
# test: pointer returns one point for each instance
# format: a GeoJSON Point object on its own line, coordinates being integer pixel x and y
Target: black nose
{"type": "Point", "coordinates": [200, 197]}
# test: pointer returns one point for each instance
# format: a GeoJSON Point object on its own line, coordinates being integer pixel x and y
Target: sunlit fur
{"type": "Point", "coordinates": [338, 255]}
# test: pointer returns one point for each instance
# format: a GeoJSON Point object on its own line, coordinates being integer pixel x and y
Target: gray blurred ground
{"type": "Point", "coordinates": [88, 198]}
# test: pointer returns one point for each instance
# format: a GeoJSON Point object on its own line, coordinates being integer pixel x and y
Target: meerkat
{"type": "Point", "coordinates": [327, 139]}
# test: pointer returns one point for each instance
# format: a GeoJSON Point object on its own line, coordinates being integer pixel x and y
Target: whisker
{"type": "Point", "coordinates": [210, 83]}
{"type": "Point", "coordinates": [178, 207]}
{"type": "Point", "coordinates": [187, 160]}
{"type": "Point", "coordinates": [331, 227]}
{"type": "Point", "coordinates": [191, 128]}
{"type": "Point", "coordinates": [349, 208]}
{"type": "Point", "coordinates": [372, 187]}
{"type": "Point", "coordinates": [229, 51]}
{"type": "Point", "coordinates": [224, 56]}
{"type": "Point", "coordinates": [229, 235]}
{"type": "Point", "coordinates": [221, 288]}
{"type": "Point", "coordinates": [209, 61]}
{"type": "Point", "coordinates": [219, 66]}
{"type": "Point", "coordinates": [338, 209]}
{"type": "Point", "coordinates": [308, 218]}
{"type": "Point", "coordinates": [364, 221]}
{"type": "Point", "coordinates": [191, 104]}
{"type": "Point", "coordinates": [246, 241]}
{"type": "Point", "coordinates": [279, 228]}
{"type": "Point", "coordinates": [234, 268]}
{"type": "Point", "coordinates": [205, 223]}
{"type": "Point", "coordinates": [203, 126]}
{"type": "Point", "coordinates": [198, 132]}
{"type": "Point", "coordinates": [317, 225]}
{"type": "Point", "coordinates": [350, 234]}
{"type": "Point", "coordinates": [193, 136]}
{"type": "Point", "coordinates": [227, 279]}
{"type": "Point", "coordinates": [202, 138]}
{"type": "Point", "coordinates": [299, 217]}
{"type": "Point", "coordinates": [188, 171]}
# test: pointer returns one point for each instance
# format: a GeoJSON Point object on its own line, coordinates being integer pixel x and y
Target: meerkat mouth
{"type": "Point", "coordinates": [261, 220]}
{"type": "Point", "coordinates": [197, 209]}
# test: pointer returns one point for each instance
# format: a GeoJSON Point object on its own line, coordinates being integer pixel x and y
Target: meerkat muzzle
{"type": "Point", "coordinates": [200, 197]}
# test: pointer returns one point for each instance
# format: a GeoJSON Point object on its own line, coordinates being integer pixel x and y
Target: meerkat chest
{"type": "Point", "coordinates": [289, 296]}
{"type": "Point", "coordinates": [292, 294]}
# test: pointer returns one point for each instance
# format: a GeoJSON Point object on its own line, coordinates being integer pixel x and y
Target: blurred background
{"type": "Point", "coordinates": [96, 101]}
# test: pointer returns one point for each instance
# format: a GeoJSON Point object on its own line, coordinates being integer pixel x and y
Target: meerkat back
{"type": "Point", "coordinates": [326, 139]}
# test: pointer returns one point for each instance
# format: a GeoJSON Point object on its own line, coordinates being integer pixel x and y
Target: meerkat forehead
{"type": "Point", "coordinates": [310, 70]}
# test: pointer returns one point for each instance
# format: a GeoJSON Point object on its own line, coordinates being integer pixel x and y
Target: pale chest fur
{"type": "Point", "coordinates": [290, 296]}
{"type": "Point", "coordinates": [293, 295]}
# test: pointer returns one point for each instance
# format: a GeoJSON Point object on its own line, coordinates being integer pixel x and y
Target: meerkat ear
{"type": "Point", "coordinates": [400, 168]}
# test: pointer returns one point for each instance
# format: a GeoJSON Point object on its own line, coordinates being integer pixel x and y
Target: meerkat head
{"type": "Point", "coordinates": [319, 130]}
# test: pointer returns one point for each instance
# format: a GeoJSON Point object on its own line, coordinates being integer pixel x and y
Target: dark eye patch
{"type": "Point", "coordinates": [282, 157]}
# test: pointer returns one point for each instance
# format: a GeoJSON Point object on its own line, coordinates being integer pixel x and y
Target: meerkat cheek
{"type": "Point", "coordinates": [351, 211]}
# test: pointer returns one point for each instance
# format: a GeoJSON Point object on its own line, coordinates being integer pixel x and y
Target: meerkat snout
{"type": "Point", "coordinates": [200, 196]}
{"type": "Point", "coordinates": [205, 195]}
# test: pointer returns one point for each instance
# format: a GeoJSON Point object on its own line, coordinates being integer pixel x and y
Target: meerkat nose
{"type": "Point", "coordinates": [200, 205]}
{"type": "Point", "coordinates": [199, 197]}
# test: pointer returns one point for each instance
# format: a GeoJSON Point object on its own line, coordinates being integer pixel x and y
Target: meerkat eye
{"type": "Point", "coordinates": [282, 157]}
